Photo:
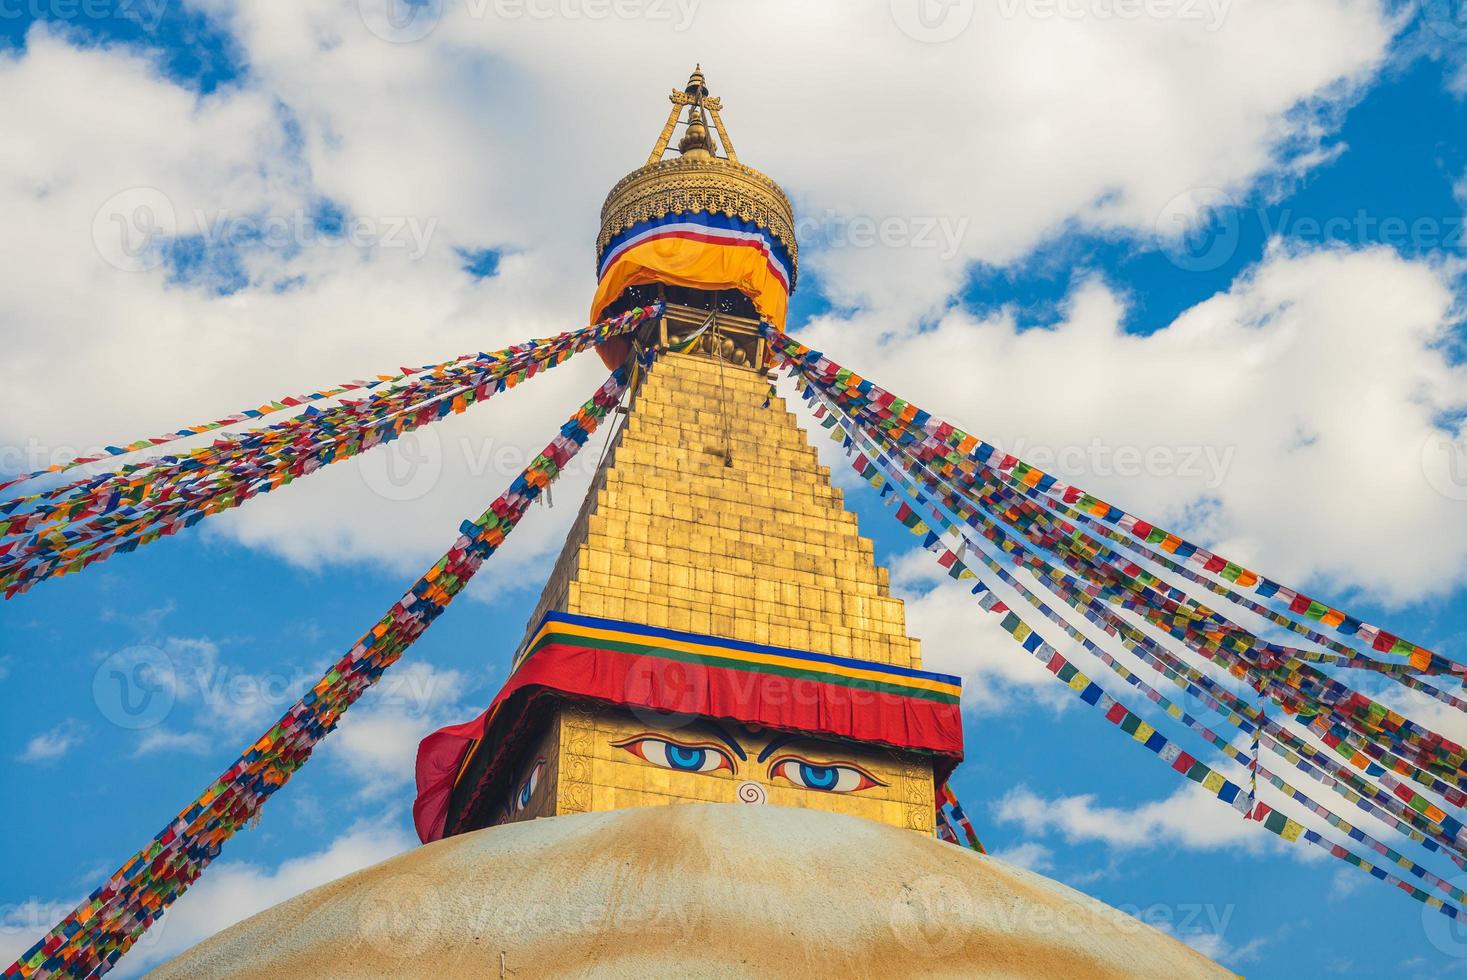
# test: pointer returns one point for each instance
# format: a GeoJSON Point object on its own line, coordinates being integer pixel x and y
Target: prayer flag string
{"type": "Point", "coordinates": [1057, 538]}
{"type": "Point", "coordinates": [89, 941]}
{"type": "Point", "coordinates": [902, 415]}
{"type": "Point", "coordinates": [65, 529]}
{"type": "Point", "coordinates": [1117, 627]}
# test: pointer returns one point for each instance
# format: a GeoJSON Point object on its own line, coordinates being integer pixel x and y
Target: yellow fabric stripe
{"type": "Point", "coordinates": [696, 265]}
{"type": "Point", "coordinates": [748, 656]}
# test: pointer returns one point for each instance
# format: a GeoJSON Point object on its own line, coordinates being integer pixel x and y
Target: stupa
{"type": "Point", "coordinates": [718, 752]}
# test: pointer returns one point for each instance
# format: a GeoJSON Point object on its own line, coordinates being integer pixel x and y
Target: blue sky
{"type": "Point", "coordinates": [1306, 330]}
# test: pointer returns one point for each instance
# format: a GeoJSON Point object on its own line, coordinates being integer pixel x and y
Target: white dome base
{"type": "Point", "coordinates": [692, 890]}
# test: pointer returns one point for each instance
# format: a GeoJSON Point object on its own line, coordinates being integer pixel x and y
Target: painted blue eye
{"type": "Point", "coordinates": [528, 787]}
{"type": "Point", "coordinates": [833, 778]}
{"type": "Point", "coordinates": [686, 757]}
{"type": "Point", "coordinates": [818, 777]}
{"type": "Point", "coordinates": [667, 754]}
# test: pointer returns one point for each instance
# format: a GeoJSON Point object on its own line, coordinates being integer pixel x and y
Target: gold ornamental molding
{"type": "Point", "coordinates": [714, 186]}
{"type": "Point", "coordinates": [698, 180]}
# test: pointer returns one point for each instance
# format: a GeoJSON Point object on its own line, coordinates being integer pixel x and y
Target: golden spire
{"type": "Point", "coordinates": [698, 179]}
{"type": "Point", "coordinates": [697, 143]}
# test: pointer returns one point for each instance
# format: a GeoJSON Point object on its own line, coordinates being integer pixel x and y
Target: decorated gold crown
{"type": "Point", "coordinates": [698, 179]}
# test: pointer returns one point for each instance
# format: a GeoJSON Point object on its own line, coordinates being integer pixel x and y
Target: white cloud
{"type": "Point", "coordinates": [207, 701]}
{"type": "Point", "coordinates": [483, 133]}
{"type": "Point", "coordinates": [959, 638]}
{"type": "Point", "coordinates": [1036, 857]}
{"type": "Point", "coordinates": [232, 891]}
{"type": "Point", "coordinates": [377, 742]}
{"type": "Point", "coordinates": [51, 745]}
{"type": "Point", "coordinates": [163, 740]}
{"type": "Point", "coordinates": [1189, 818]}
{"type": "Point", "coordinates": [182, 693]}
{"type": "Point", "coordinates": [1216, 947]}
{"type": "Point", "coordinates": [1293, 421]}
{"type": "Point", "coordinates": [22, 923]}
{"type": "Point", "coordinates": [1344, 883]}
{"type": "Point", "coordinates": [229, 892]}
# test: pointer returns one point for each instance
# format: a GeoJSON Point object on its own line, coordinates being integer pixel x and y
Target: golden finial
{"type": "Point", "coordinates": [698, 179]}
{"type": "Point", "coordinates": [697, 87]}
{"type": "Point", "coordinates": [697, 143]}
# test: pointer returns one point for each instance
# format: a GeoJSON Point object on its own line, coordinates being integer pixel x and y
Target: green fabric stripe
{"type": "Point", "coordinates": [712, 660]}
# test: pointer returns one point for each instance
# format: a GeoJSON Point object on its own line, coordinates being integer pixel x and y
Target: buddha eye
{"type": "Point", "coordinates": [666, 753]}
{"type": "Point", "coordinates": [528, 787]}
{"type": "Point", "coordinates": [834, 777]}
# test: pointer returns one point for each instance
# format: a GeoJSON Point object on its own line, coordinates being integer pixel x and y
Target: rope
{"type": "Point", "coordinates": [89, 941]}
{"type": "Point", "coordinates": [929, 451]}
{"type": "Point", "coordinates": [67, 529]}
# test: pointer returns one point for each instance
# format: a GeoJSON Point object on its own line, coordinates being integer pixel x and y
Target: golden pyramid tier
{"type": "Point", "coordinates": [713, 514]}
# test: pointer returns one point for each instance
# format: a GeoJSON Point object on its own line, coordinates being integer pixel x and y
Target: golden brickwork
{"type": "Point", "coordinates": [713, 515]}
{"type": "Point", "coordinates": [577, 727]}
{"type": "Point", "coordinates": [617, 778]}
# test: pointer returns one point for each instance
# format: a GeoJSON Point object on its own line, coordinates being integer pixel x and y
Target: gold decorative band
{"type": "Point", "coordinates": [713, 186]}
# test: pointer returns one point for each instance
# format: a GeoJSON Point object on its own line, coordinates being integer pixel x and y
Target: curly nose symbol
{"type": "Point", "coordinates": [751, 792]}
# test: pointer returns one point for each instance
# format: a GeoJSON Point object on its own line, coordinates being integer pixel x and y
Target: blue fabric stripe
{"type": "Point", "coordinates": [718, 641]}
{"type": "Point", "coordinates": [720, 222]}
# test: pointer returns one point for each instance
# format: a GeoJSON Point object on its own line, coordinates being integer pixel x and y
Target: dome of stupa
{"type": "Point", "coordinates": [692, 890]}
